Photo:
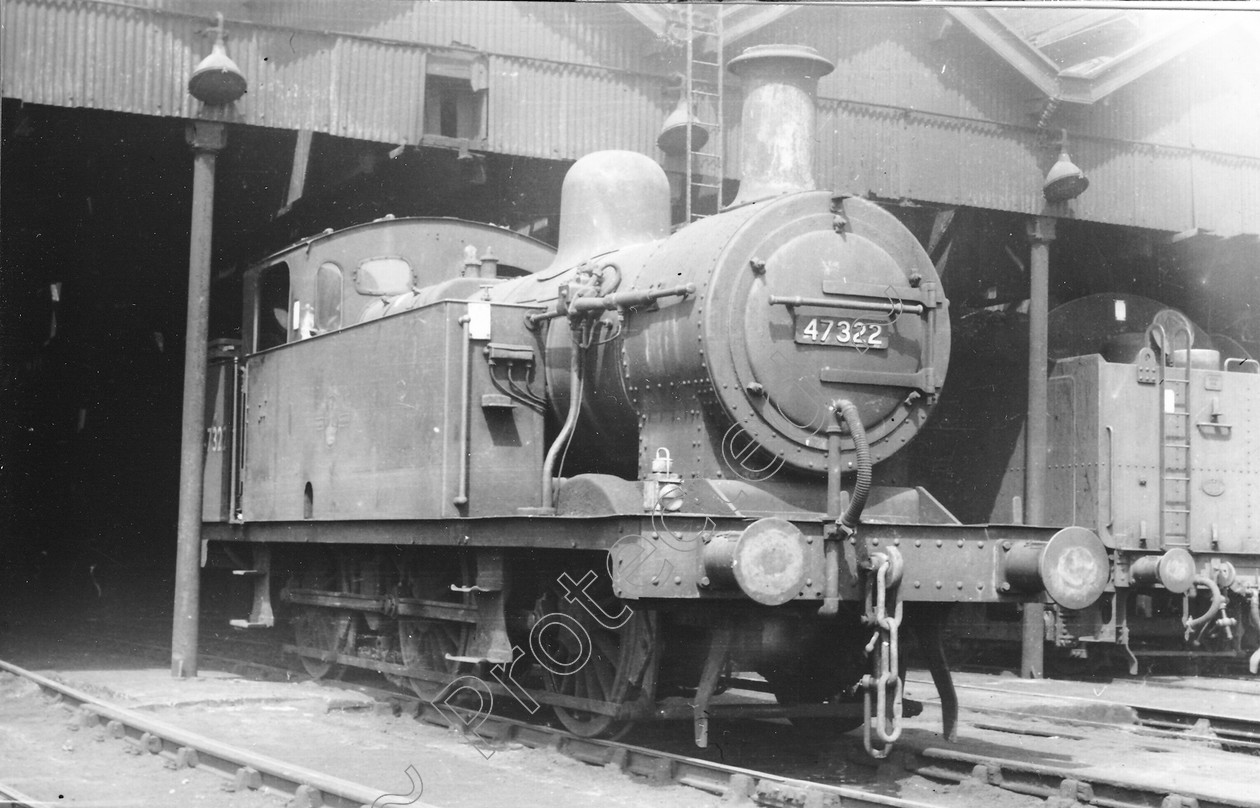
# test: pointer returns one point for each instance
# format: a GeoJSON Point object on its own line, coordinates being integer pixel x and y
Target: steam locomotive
{"type": "Point", "coordinates": [605, 478]}
{"type": "Point", "coordinates": [1149, 446]}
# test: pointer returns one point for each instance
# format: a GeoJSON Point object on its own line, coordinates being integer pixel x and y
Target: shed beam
{"type": "Point", "coordinates": [1030, 62]}
{"type": "Point", "coordinates": [1105, 79]}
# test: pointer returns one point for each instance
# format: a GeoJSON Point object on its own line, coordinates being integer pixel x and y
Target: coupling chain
{"type": "Point", "coordinates": [882, 688]}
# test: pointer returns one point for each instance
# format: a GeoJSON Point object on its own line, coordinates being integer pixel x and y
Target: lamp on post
{"type": "Point", "coordinates": [217, 81]}
{"type": "Point", "coordinates": [1064, 180]}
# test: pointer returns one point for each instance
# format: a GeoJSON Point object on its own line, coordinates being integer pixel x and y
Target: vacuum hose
{"type": "Point", "coordinates": [845, 409]}
{"type": "Point", "coordinates": [847, 522]}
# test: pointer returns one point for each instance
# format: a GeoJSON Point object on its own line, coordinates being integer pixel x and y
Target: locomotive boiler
{"type": "Point", "coordinates": [617, 478]}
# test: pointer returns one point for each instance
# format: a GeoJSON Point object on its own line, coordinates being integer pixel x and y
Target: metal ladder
{"type": "Point", "coordinates": [704, 87]}
{"type": "Point", "coordinates": [1175, 430]}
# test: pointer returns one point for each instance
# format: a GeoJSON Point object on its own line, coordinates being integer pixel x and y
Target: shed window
{"type": "Point", "coordinates": [456, 86]}
{"type": "Point", "coordinates": [328, 298]}
{"type": "Point", "coordinates": [384, 276]}
{"type": "Point", "coordinates": [452, 108]}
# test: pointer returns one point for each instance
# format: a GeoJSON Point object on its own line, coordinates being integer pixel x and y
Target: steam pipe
{"type": "Point", "coordinates": [465, 398]}
{"type": "Point", "coordinates": [570, 423]}
{"type": "Point", "coordinates": [629, 300]}
{"type": "Point", "coordinates": [618, 300]}
{"type": "Point", "coordinates": [846, 523]}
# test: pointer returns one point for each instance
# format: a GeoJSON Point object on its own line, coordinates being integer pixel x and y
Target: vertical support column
{"type": "Point", "coordinates": [1040, 234]}
{"type": "Point", "coordinates": [207, 138]}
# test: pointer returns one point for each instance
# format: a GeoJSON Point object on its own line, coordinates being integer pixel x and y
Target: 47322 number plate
{"type": "Point", "coordinates": [842, 332]}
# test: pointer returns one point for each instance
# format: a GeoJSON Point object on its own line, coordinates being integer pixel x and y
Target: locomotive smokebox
{"type": "Point", "coordinates": [777, 143]}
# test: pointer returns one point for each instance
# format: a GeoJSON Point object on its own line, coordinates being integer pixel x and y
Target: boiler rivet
{"type": "Point", "coordinates": [940, 543]}
{"type": "Point", "coordinates": [938, 584]}
{"type": "Point", "coordinates": [678, 580]}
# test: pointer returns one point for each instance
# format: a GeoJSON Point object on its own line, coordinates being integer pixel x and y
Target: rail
{"type": "Point", "coordinates": [246, 769]}
{"type": "Point", "coordinates": [10, 797]}
{"type": "Point", "coordinates": [744, 786]}
{"type": "Point", "coordinates": [1234, 732]}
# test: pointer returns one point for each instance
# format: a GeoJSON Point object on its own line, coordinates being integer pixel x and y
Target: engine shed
{"type": "Point", "coordinates": [953, 119]}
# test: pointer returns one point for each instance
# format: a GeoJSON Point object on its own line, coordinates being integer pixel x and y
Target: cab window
{"type": "Point", "coordinates": [328, 292]}
{"type": "Point", "coordinates": [271, 316]}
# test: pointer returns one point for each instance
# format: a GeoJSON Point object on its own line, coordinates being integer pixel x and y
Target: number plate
{"type": "Point", "coordinates": [841, 332]}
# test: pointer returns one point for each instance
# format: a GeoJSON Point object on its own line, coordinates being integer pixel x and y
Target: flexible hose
{"type": "Point", "coordinates": [848, 411]}
{"type": "Point", "coordinates": [1218, 603]}
{"type": "Point", "coordinates": [847, 522]}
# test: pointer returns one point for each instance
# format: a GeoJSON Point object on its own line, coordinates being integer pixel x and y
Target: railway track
{"type": "Point", "coordinates": [304, 788]}
{"type": "Point", "coordinates": [1059, 785]}
{"type": "Point", "coordinates": [11, 797]}
{"type": "Point", "coordinates": [1238, 734]}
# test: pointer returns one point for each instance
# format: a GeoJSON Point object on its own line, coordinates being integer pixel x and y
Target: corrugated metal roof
{"type": "Point", "coordinates": [909, 114]}
{"type": "Point", "coordinates": [563, 111]}
{"type": "Point", "coordinates": [365, 84]}
{"type": "Point", "coordinates": [596, 34]}
{"type": "Point", "coordinates": [911, 111]}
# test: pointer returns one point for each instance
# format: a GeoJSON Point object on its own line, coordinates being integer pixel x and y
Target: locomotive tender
{"type": "Point", "coordinates": [440, 436]}
{"type": "Point", "coordinates": [1150, 446]}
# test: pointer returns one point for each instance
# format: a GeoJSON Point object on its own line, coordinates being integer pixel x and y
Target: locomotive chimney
{"type": "Point", "coordinates": [777, 144]}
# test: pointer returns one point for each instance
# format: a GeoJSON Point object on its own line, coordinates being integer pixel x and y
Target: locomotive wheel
{"type": "Point", "coordinates": [326, 630]}
{"type": "Point", "coordinates": [618, 671]}
{"type": "Point", "coordinates": [425, 644]}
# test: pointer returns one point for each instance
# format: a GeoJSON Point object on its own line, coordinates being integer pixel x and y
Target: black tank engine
{"type": "Point", "coordinates": [604, 477]}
